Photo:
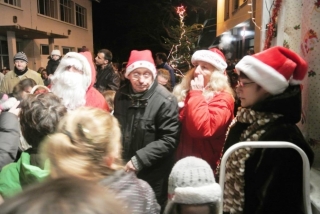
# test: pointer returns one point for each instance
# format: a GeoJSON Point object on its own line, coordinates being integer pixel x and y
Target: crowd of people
{"type": "Point", "coordinates": [86, 135]}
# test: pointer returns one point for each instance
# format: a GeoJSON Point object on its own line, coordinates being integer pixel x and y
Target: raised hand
{"type": "Point", "coordinates": [197, 83]}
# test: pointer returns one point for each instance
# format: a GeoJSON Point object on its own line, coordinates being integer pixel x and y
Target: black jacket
{"type": "Point", "coordinates": [107, 79]}
{"type": "Point", "coordinates": [150, 130]}
{"type": "Point", "coordinates": [52, 65]}
{"type": "Point", "coordinates": [273, 177]}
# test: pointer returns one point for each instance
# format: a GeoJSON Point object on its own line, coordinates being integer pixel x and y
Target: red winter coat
{"type": "Point", "coordinates": [204, 126]}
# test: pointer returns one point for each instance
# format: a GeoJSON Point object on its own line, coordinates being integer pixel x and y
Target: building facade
{"type": "Point", "coordinates": [236, 26]}
{"type": "Point", "coordinates": [37, 27]}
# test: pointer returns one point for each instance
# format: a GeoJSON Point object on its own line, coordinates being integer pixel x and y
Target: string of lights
{"type": "Point", "coordinates": [253, 19]}
{"type": "Point", "coordinates": [177, 58]}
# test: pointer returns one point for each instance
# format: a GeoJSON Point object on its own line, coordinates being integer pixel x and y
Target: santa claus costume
{"type": "Point", "coordinates": [76, 88]}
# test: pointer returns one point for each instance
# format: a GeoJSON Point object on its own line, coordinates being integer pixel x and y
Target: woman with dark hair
{"type": "Point", "coordinates": [23, 88]}
{"type": "Point", "coordinates": [267, 180]}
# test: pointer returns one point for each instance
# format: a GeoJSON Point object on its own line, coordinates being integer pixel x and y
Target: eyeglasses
{"type": "Point", "coordinates": [137, 76]}
{"type": "Point", "coordinates": [243, 84]}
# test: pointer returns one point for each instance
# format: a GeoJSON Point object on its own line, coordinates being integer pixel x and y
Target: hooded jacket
{"type": "Point", "coordinates": [273, 176]}
{"type": "Point", "coordinates": [15, 176]}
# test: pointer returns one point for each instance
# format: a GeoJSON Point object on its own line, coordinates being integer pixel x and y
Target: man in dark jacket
{"type": "Point", "coordinates": [54, 60]}
{"type": "Point", "coordinates": [267, 180]}
{"type": "Point", "coordinates": [107, 78]}
{"type": "Point", "coordinates": [148, 115]}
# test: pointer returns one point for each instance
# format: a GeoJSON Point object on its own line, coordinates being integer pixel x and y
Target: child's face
{"type": "Point", "coordinates": [55, 57]}
{"type": "Point", "coordinates": [195, 209]}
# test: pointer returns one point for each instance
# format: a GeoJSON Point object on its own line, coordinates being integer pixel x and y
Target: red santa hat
{"type": "Point", "coordinates": [141, 59]}
{"type": "Point", "coordinates": [274, 68]}
{"type": "Point", "coordinates": [212, 56]}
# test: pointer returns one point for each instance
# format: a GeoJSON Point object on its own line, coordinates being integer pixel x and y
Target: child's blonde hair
{"type": "Point", "coordinates": [82, 142]}
{"type": "Point", "coordinates": [109, 96]}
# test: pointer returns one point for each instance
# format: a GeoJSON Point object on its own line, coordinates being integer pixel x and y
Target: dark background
{"type": "Point", "coordinates": [125, 25]}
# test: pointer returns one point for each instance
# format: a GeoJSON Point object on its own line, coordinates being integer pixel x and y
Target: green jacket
{"type": "Point", "coordinates": [15, 176]}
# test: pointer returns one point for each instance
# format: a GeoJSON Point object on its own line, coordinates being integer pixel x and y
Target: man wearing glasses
{"type": "Point", "coordinates": [148, 115]}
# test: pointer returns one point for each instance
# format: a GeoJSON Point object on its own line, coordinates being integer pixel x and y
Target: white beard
{"type": "Point", "coordinates": [70, 87]}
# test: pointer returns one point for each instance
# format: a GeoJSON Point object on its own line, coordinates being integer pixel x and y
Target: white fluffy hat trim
{"type": "Point", "coordinates": [262, 74]}
{"type": "Point", "coordinates": [141, 64]}
{"type": "Point", "coordinates": [210, 57]}
{"type": "Point", "coordinates": [197, 195]}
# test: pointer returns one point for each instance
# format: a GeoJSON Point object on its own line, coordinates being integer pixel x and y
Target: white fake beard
{"type": "Point", "coordinates": [70, 87]}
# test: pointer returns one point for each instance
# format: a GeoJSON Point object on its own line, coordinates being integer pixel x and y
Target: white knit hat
{"type": "Point", "coordinates": [55, 52]}
{"type": "Point", "coordinates": [192, 182]}
{"type": "Point", "coordinates": [213, 56]}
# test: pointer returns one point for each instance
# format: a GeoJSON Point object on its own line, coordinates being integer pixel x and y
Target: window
{"type": "Point", "coordinates": [47, 8]}
{"type": "Point", "coordinates": [66, 11]}
{"type": "Point", "coordinates": [235, 5]}
{"type": "Point", "coordinates": [4, 54]}
{"type": "Point", "coordinates": [65, 50]}
{"type": "Point", "coordinates": [81, 16]}
{"type": "Point", "coordinates": [226, 9]}
{"type": "Point", "coordinates": [238, 3]}
{"type": "Point", "coordinates": [13, 2]}
{"type": "Point", "coordinates": [44, 49]}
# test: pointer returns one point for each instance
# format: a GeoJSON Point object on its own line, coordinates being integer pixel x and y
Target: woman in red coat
{"type": "Point", "coordinates": [206, 107]}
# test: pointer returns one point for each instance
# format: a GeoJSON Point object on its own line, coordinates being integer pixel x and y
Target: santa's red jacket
{"type": "Point", "coordinates": [204, 126]}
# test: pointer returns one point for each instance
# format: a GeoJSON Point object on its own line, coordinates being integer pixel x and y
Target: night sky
{"type": "Point", "coordinates": [121, 25]}
{"type": "Point", "coordinates": [113, 21]}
